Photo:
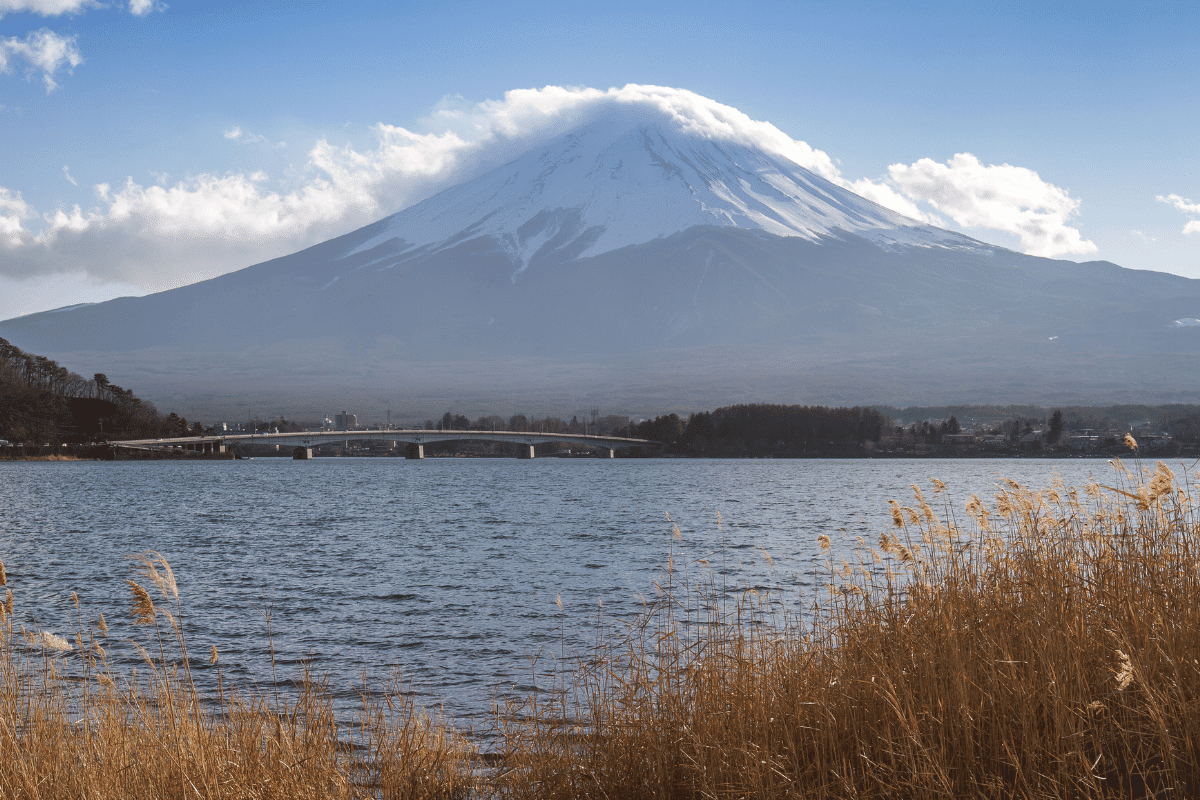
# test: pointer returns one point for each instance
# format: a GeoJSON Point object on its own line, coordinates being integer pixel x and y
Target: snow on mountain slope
{"type": "Point", "coordinates": [642, 262]}
{"type": "Point", "coordinates": [632, 175]}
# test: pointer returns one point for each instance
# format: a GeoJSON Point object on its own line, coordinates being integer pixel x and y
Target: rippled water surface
{"type": "Point", "coordinates": [445, 569]}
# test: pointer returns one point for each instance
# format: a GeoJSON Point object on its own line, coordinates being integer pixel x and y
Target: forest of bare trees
{"type": "Point", "coordinates": [42, 402]}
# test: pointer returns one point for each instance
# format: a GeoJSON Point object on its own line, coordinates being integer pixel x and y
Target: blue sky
{"type": "Point", "coordinates": [146, 145]}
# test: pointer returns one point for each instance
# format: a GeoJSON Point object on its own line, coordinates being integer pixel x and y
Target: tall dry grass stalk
{"type": "Point", "coordinates": [1046, 644]}
{"type": "Point", "coordinates": [72, 727]}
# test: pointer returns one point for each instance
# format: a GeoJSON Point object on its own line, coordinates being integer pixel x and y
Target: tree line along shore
{"type": "Point", "coordinates": [46, 410]}
{"type": "Point", "coordinates": [42, 403]}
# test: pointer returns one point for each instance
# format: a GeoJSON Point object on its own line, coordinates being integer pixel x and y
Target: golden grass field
{"type": "Point", "coordinates": [1042, 644]}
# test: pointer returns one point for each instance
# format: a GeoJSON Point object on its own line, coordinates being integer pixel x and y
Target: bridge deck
{"type": "Point", "coordinates": [314, 438]}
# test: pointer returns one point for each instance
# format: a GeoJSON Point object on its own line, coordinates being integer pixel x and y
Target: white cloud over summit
{"type": "Point", "coordinates": [212, 223]}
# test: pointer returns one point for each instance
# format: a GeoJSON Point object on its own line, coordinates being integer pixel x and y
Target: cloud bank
{"type": "Point", "coordinates": [1002, 198]}
{"type": "Point", "coordinates": [1187, 207]}
{"type": "Point", "coordinates": [158, 237]}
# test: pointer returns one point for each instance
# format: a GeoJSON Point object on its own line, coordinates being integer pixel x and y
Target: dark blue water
{"type": "Point", "coordinates": [446, 570]}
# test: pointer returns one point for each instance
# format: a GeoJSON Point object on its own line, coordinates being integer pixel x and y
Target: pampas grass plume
{"type": "Point", "coordinates": [143, 606]}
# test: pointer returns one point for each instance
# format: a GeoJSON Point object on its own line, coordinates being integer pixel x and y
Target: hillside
{"type": "Point", "coordinates": [42, 402]}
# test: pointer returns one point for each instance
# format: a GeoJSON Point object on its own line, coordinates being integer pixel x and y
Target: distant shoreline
{"type": "Point", "coordinates": [163, 456]}
{"type": "Point", "coordinates": [53, 457]}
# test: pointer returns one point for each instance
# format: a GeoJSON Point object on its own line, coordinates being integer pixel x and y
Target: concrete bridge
{"type": "Point", "coordinates": [304, 442]}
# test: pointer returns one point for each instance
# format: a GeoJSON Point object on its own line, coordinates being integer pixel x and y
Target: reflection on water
{"type": "Point", "coordinates": [444, 569]}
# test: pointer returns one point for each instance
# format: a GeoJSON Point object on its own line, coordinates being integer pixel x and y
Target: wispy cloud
{"type": "Point", "coordinates": [236, 134]}
{"type": "Point", "coordinates": [207, 223]}
{"type": "Point", "coordinates": [46, 8]}
{"type": "Point", "coordinates": [57, 8]}
{"type": "Point", "coordinates": [1187, 207]}
{"type": "Point", "coordinates": [48, 51]}
{"type": "Point", "coordinates": [67, 175]}
{"type": "Point", "coordinates": [140, 8]}
{"type": "Point", "coordinates": [41, 50]}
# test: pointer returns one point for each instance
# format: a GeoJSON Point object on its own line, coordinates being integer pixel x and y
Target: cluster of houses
{"type": "Point", "coordinates": [1087, 440]}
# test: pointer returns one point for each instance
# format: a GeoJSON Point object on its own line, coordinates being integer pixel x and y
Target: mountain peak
{"type": "Point", "coordinates": [631, 174]}
{"type": "Point", "coordinates": [656, 253]}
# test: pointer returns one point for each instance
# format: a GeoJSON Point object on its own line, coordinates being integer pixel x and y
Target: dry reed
{"type": "Point", "coordinates": [72, 727]}
{"type": "Point", "coordinates": [1044, 645]}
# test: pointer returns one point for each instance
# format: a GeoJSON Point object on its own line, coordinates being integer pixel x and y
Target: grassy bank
{"type": "Point", "coordinates": [1043, 644]}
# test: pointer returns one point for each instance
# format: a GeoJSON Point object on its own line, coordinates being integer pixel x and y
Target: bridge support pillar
{"type": "Point", "coordinates": [525, 451]}
{"type": "Point", "coordinates": [302, 454]}
{"type": "Point", "coordinates": [219, 447]}
{"type": "Point", "coordinates": [415, 452]}
{"type": "Point", "coordinates": [607, 452]}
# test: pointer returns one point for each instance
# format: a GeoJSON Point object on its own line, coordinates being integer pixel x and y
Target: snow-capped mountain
{"type": "Point", "coordinates": [641, 262]}
{"type": "Point", "coordinates": [631, 177]}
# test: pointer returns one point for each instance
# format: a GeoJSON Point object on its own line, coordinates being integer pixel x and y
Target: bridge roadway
{"type": "Point", "coordinates": [303, 442]}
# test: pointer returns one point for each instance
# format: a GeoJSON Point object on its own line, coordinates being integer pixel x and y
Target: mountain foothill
{"type": "Point", "coordinates": [643, 265]}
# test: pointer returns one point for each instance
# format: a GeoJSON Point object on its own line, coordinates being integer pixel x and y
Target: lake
{"type": "Point", "coordinates": [448, 569]}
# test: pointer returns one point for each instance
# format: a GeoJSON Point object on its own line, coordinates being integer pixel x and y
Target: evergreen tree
{"type": "Point", "coordinates": [1056, 427]}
